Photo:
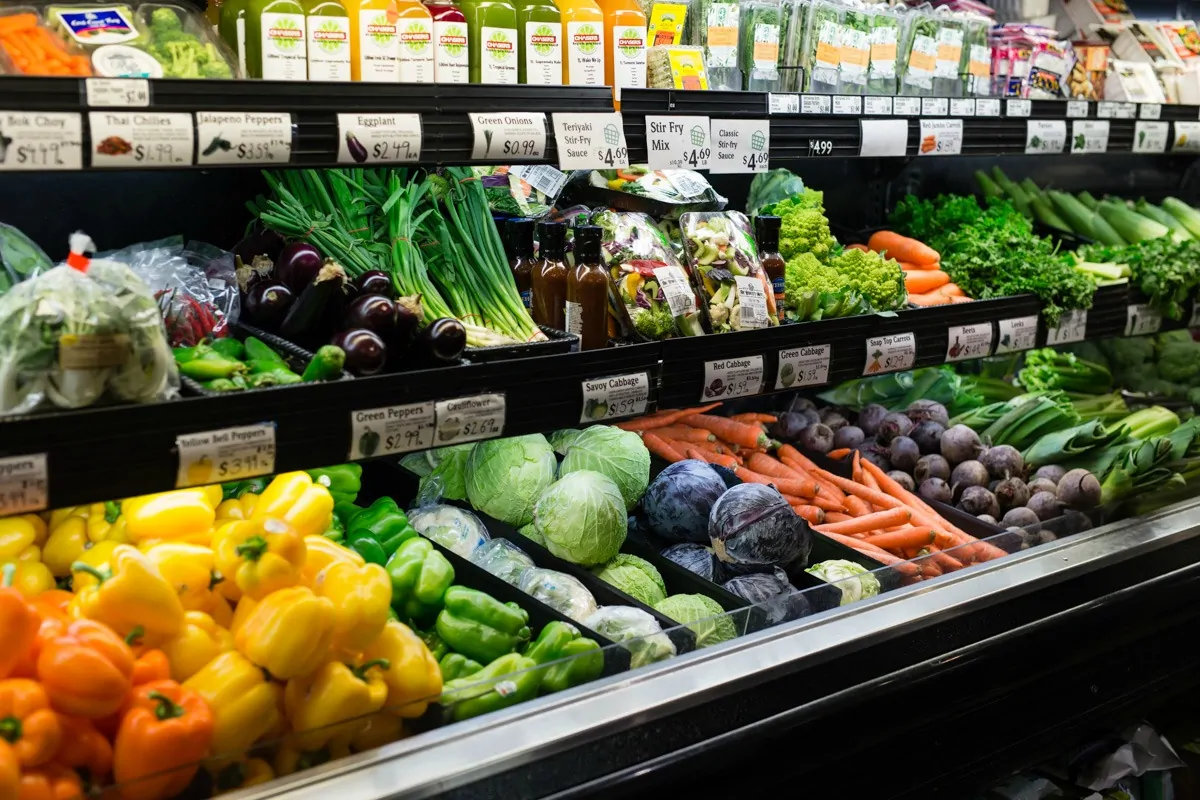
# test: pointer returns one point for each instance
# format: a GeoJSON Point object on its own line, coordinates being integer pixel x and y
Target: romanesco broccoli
{"type": "Point", "coordinates": [805, 230]}
{"type": "Point", "coordinates": [813, 291]}
{"type": "Point", "coordinates": [880, 280]}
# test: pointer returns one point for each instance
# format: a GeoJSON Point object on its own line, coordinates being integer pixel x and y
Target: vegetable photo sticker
{"type": "Point", "coordinates": [875, 366]}
{"type": "Point", "coordinates": [368, 442]}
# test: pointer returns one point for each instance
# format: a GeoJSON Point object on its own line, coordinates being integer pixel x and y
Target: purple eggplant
{"type": "Point", "coordinates": [258, 241]}
{"type": "Point", "coordinates": [355, 148]}
{"type": "Point", "coordinates": [441, 342]}
{"type": "Point", "coordinates": [373, 312]}
{"type": "Point", "coordinates": [409, 316]}
{"type": "Point", "coordinates": [297, 265]}
{"type": "Point", "coordinates": [268, 304]}
{"type": "Point", "coordinates": [366, 353]}
{"type": "Point", "coordinates": [307, 311]}
{"type": "Point", "coordinates": [375, 281]}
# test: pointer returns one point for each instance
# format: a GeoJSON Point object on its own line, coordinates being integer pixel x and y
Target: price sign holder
{"type": "Point", "coordinates": [1089, 136]}
{"type": "Point", "coordinates": [141, 139]}
{"type": "Point", "coordinates": [614, 397]}
{"type": "Point", "coordinates": [590, 141]}
{"type": "Point", "coordinates": [117, 92]}
{"type": "Point", "coordinates": [883, 137]}
{"type": "Point", "coordinates": [391, 429]}
{"type": "Point", "coordinates": [518, 137]}
{"type": "Point", "coordinates": [1072, 327]}
{"type": "Point", "coordinates": [890, 353]}
{"type": "Point", "coordinates": [23, 484]}
{"type": "Point", "coordinates": [1017, 334]}
{"type": "Point", "coordinates": [469, 419]}
{"type": "Point", "coordinates": [1142, 320]}
{"type": "Point", "coordinates": [379, 138]}
{"type": "Point", "coordinates": [1045, 136]}
{"type": "Point", "coordinates": [803, 366]}
{"type": "Point", "coordinates": [1151, 137]}
{"type": "Point", "coordinates": [678, 142]}
{"type": "Point", "coordinates": [42, 140]}
{"type": "Point", "coordinates": [965, 342]}
{"type": "Point", "coordinates": [940, 137]}
{"type": "Point", "coordinates": [243, 138]}
{"type": "Point", "coordinates": [228, 454]}
{"type": "Point", "coordinates": [740, 145]}
{"type": "Point", "coordinates": [727, 378]}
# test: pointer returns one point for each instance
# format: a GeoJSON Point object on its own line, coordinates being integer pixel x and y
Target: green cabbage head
{"type": "Point", "coordinates": [703, 615]}
{"type": "Point", "coordinates": [505, 477]}
{"type": "Point", "coordinates": [853, 579]}
{"type": "Point", "coordinates": [634, 576]}
{"type": "Point", "coordinates": [582, 518]}
{"type": "Point", "coordinates": [613, 452]}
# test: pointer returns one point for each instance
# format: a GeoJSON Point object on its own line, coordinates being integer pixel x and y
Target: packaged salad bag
{"type": "Point", "coordinates": [720, 251]}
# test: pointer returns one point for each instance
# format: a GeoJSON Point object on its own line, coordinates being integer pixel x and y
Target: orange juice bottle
{"type": "Point", "coordinates": [584, 58]}
{"type": "Point", "coordinates": [391, 41]}
{"type": "Point", "coordinates": [625, 45]}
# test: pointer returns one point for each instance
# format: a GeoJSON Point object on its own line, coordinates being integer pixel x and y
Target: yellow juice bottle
{"type": "Point", "coordinates": [624, 45]}
{"type": "Point", "coordinates": [391, 41]}
{"type": "Point", "coordinates": [583, 29]}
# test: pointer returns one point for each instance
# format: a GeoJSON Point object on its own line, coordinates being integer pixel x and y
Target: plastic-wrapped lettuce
{"type": "Point", "coordinates": [635, 630]}
{"type": "Point", "coordinates": [452, 528]}
{"type": "Point", "coordinates": [503, 559]}
{"type": "Point", "coordinates": [702, 615]}
{"type": "Point", "coordinates": [562, 592]}
{"type": "Point", "coordinates": [714, 26]}
{"type": "Point", "coordinates": [855, 581]}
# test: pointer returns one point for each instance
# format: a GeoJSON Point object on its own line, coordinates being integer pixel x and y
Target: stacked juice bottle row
{"type": "Point", "coordinates": [541, 42]}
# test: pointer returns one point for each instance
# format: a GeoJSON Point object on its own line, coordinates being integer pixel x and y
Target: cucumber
{"type": "Point", "coordinates": [326, 365]}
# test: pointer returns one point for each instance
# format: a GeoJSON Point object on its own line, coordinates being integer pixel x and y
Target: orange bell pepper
{"type": "Point", "coordinates": [150, 664]}
{"type": "Point", "coordinates": [50, 782]}
{"type": "Point", "coordinates": [27, 723]}
{"type": "Point", "coordinates": [87, 670]}
{"type": "Point", "coordinates": [53, 604]}
{"type": "Point", "coordinates": [165, 733]}
{"type": "Point", "coordinates": [84, 746]}
{"type": "Point", "coordinates": [18, 620]}
{"type": "Point", "coordinates": [10, 772]}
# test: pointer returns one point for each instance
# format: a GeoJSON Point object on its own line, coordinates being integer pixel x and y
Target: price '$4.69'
{"type": "Point", "coordinates": [590, 141]}
{"type": "Point", "coordinates": [740, 145]}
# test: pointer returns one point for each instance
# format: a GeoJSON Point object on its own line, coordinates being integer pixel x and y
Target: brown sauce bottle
{"type": "Point", "coordinates": [549, 276]}
{"type": "Point", "coordinates": [518, 244]}
{"type": "Point", "coordinates": [766, 235]}
{"type": "Point", "coordinates": [587, 291]}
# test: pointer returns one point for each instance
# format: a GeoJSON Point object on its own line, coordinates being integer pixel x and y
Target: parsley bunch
{"type": "Point", "coordinates": [1166, 271]}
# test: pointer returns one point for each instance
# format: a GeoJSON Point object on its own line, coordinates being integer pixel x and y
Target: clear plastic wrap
{"type": "Point", "coordinates": [919, 54]}
{"type": "Point", "coordinates": [676, 67]}
{"type": "Point", "coordinates": [791, 44]}
{"type": "Point", "coordinates": [20, 257]}
{"type": "Point", "coordinates": [635, 630]}
{"type": "Point", "coordinates": [822, 43]}
{"type": "Point", "coordinates": [31, 47]}
{"type": "Point", "coordinates": [723, 259]}
{"type": "Point", "coordinates": [453, 528]}
{"type": "Point", "coordinates": [509, 195]}
{"type": "Point", "coordinates": [503, 559]}
{"type": "Point", "coordinates": [977, 58]}
{"type": "Point", "coordinates": [182, 43]}
{"type": "Point", "coordinates": [887, 30]}
{"type": "Point", "coordinates": [759, 45]}
{"type": "Point", "coordinates": [854, 50]}
{"type": "Point", "coordinates": [947, 77]}
{"type": "Point", "coordinates": [714, 27]}
{"type": "Point", "coordinates": [562, 592]}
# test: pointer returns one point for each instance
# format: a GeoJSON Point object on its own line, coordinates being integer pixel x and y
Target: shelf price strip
{"type": "Point", "coordinates": [228, 454]}
{"type": "Point", "coordinates": [41, 140]}
{"type": "Point", "coordinates": [1089, 136]}
{"type": "Point", "coordinates": [803, 366]}
{"type": "Point", "coordinates": [1072, 327]}
{"type": "Point", "coordinates": [469, 419]}
{"type": "Point", "coordinates": [678, 142]}
{"type": "Point", "coordinates": [391, 429]}
{"type": "Point", "coordinates": [727, 378]}
{"type": "Point", "coordinates": [1141, 319]}
{"type": "Point", "coordinates": [965, 342]}
{"type": "Point", "coordinates": [1017, 334]}
{"type": "Point", "coordinates": [890, 353]}
{"type": "Point", "coordinates": [740, 145]}
{"type": "Point", "coordinates": [379, 138]}
{"type": "Point", "coordinates": [141, 139]}
{"type": "Point", "coordinates": [243, 138]}
{"type": "Point", "coordinates": [615, 397]}
{"type": "Point", "coordinates": [519, 137]}
{"type": "Point", "coordinates": [23, 484]}
{"type": "Point", "coordinates": [117, 92]}
{"type": "Point", "coordinates": [590, 141]}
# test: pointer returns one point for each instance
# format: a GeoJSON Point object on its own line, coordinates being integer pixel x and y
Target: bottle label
{"type": "Point", "coordinates": [722, 24]}
{"type": "Point", "coordinates": [93, 26]}
{"type": "Point", "coordinates": [574, 315]}
{"type": "Point", "coordinates": [328, 48]}
{"type": "Point", "coordinates": [527, 299]}
{"type": "Point", "coordinates": [498, 61]}
{"type": "Point", "coordinates": [777, 288]}
{"type": "Point", "coordinates": [629, 57]}
{"type": "Point", "coordinates": [378, 47]}
{"type": "Point", "coordinates": [585, 53]}
{"type": "Point", "coordinates": [543, 53]}
{"type": "Point", "coordinates": [416, 50]}
{"type": "Point", "coordinates": [451, 52]}
{"type": "Point", "coordinates": [241, 45]}
{"type": "Point", "coordinates": [284, 56]}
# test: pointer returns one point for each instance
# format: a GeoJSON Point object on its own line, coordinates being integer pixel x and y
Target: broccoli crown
{"type": "Point", "coordinates": [164, 20]}
{"type": "Point", "coordinates": [1134, 376]}
{"type": "Point", "coordinates": [805, 230]}
{"type": "Point", "coordinates": [880, 280]}
{"type": "Point", "coordinates": [1123, 353]}
{"type": "Point", "coordinates": [1179, 361]}
{"type": "Point", "coordinates": [655, 323]}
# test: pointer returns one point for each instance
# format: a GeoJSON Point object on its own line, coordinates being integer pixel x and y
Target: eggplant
{"type": "Point", "coordinates": [308, 309]}
{"type": "Point", "coordinates": [409, 316]}
{"type": "Point", "coordinates": [366, 353]}
{"type": "Point", "coordinates": [258, 241]}
{"type": "Point", "coordinates": [375, 281]}
{"type": "Point", "coordinates": [440, 343]}
{"type": "Point", "coordinates": [268, 304]}
{"type": "Point", "coordinates": [298, 265]}
{"type": "Point", "coordinates": [373, 312]}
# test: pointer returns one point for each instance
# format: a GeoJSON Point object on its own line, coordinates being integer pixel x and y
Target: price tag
{"type": "Point", "coordinates": [1045, 136]}
{"type": "Point", "coordinates": [229, 454]}
{"type": "Point", "coordinates": [1141, 319]}
{"type": "Point", "coordinates": [820, 147]}
{"type": "Point", "coordinates": [883, 137]}
{"type": "Point", "coordinates": [906, 106]}
{"type": "Point", "coordinates": [140, 139]}
{"type": "Point", "coordinates": [379, 138]}
{"type": "Point", "coordinates": [783, 103]}
{"type": "Point", "coordinates": [40, 140]}
{"type": "Point", "coordinates": [1017, 334]}
{"type": "Point", "coordinates": [1187, 138]}
{"type": "Point", "coordinates": [965, 342]}
{"type": "Point", "coordinates": [243, 138]}
{"type": "Point", "coordinates": [1077, 109]}
{"type": "Point", "coordinates": [847, 104]}
{"type": "Point", "coordinates": [987, 107]}
{"type": "Point", "coordinates": [391, 429]}
{"type": "Point", "coordinates": [890, 353]}
{"type": "Point", "coordinates": [678, 142]}
{"type": "Point", "coordinates": [1151, 137]}
{"type": "Point", "coordinates": [1072, 327]}
{"type": "Point", "coordinates": [752, 303]}
{"type": "Point", "coordinates": [1089, 136]}
{"type": "Point", "coordinates": [732, 377]}
{"type": "Point", "coordinates": [1107, 109]}
{"type": "Point", "coordinates": [590, 141]}
{"type": "Point", "coordinates": [618, 396]}
{"type": "Point", "coordinates": [543, 177]}
{"type": "Point", "coordinates": [117, 92]}
{"type": "Point", "coordinates": [941, 137]}
{"type": "Point", "coordinates": [1194, 322]}
{"type": "Point", "coordinates": [1126, 110]}
{"type": "Point", "coordinates": [520, 137]}
{"type": "Point", "coordinates": [803, 366]}
{"type": "Point", "coordinates": [1017, 108]}
{"type": "Point", "coordinates": [815, 104]}
{"type": "Point", "coordinates": [962, 107]}
{"type": "Point", "coordinates": [934, 106]}
{"type": "Point", "coordinates": [469, 419]}
{"type": "Point", "coordinates": [877, 106]}
{"type": "Point", "coordinates": [1149, 111]}
{"type": "Point", "coordinates": [676, 290]}
{"type": "Point", "coordinates": [23, 484]}
{"type": "Point", "coordinates": [740, 145]}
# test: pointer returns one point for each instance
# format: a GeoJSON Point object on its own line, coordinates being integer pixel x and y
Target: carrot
{"type": "Point", "coordinates": [905, 568]}
{"type": "Point", "coordinates": [729, 462]}
{"type": "Point", "coordinates": [929, 568]}
{"type": "Point", "coordinates": [872, 496]}
{"type": "Point", "coordinates": [661, 447]}
{"type": "Point", "coordinates": [810, 514]}
{"type": "Point", "coordinates": [856, 468]}
{"type": "Point", "coordinates": [837, 516]}
{"type": "Point", "coordinates": [945, 561]}
{"type": "Point", "coordinates": [663, 418]}
{"type": "Point", "coordinates": [962, 299]}
{"type": "Point", "coordinates": [755, 417]}
{"type": "Point", "coordinates": [685, 434]}
{"type": "Point", "coordinates": [931, 299]}
{"type": "Point", "coordinates": [917, 537]}
{"type": "Point", "coordinates": [766, 465]}
{"type": "Point", "coordinates": [839, 454]}
{"type": "Point", "coordinates": [871, 522]}
{"type": "Point", "coordinates": [683, 444]}
{"type": "Point", "coordinates": [868, 480]}
{"type": "Point", "coordinates": [829, 504]}
{"type": "Point", "coordinates": [925, 281]}
{"type": "Point", "coordinates": [903, 248]}
{"type": "Point", "coordinates": [799, 488]}
{"type": "Point", "coordinates": [951, 290]}
{"type": "Point", "coordinates": [858, 507]}
{"type": "Point", "coordinates": [908, 266]}
{"type": "Point", "coordinates": [732, 431]}
{"type": "Point", "coordinates": [827, 488]}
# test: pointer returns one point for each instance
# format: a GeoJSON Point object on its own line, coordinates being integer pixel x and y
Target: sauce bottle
{"type": "Point", "coordinates": [391, 41]}
{"type": "Point", "coordinates": [587, 291]}
{"type": "Point", "coordinates": [275, 40]}
{"type": "Point", "coordinates": [492, 29]}
{"type": "Point", "coordinates": [766, 236]}
{"type": "Point", "coordinates": [329, 44]}
{"type": "Point", "coordinates": [625, 46]}
{"type": "Point", "coordinates": [518, 235]}
{"type": "Point", "coordinates": [549, 279]}
{"type": "Point", "coordinates": [540, 60]}
{"type": "Point", "coordinates": [583, 62]}
{"type": "Point", "coordinates": [451, 44]}
{"type": "Point", "coordinates": [232, 29]}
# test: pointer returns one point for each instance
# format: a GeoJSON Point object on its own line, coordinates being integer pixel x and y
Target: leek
{"type": "Point", "coordinates": [1151, 211]}
{"type": "Point", "coordinates": [1132, 227]}
{"type": "Point", "coordinates": [1187, 216]}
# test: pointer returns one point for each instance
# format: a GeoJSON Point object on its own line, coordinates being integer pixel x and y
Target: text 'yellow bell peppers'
{"type": "Point", "coordinates": [128, 594]}
{"type": "Point", "coordinates": [329, 705]}
{"type": "Point", "coordinates": [288, 632]}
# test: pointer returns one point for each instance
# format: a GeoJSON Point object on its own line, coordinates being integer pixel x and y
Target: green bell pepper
{"type": "Point", "coordinates": [234, 490]}
{"type": "Point", "coordinates": [433, 643]}
{"type": "Point", "coordinates": [504, 682]}
{"type": "Point", "coordinates": [344, 481]}
{"type": "Point", "coordinates": [336, 531]}
{"type": "Point", "coordinates": [456, 665]}
{"type": "Point", "coordinates": [550, 642]}
{"type": "Point", "coordinates": [378, 531]}
{"type": "Point", "coordinates": [480, 626]}
{"type": "Point", "coordinates": [584, 661]}
{"type": "Point", "coordinates": [345, 511]}
{"type": "Point", "coordinates": [420, 577]}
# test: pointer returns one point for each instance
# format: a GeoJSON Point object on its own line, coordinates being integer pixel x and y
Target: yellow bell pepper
{"type": "Point", "coordinates": [238, 508]}
{"type": "Point", "coordinates": [320, 553]}
{"type": "Point", "coordinates": [31, 553]}
{"type": "Point", "coordinates": [219, 609]}
{"type": "Point", "coordinates": [259, 557]}
{"type": "Point", "coordinates": [183, 515]}
{"type": "Point", "coordinates": [98, 556]}
{"type": "Point", "coordinates": [290, 758]}
{"type": "Point", "coordinates": [65, 545]}
{"type": "Point", "coordinates": [130, 593]}
{"type": "Point", "coordinates": [288, 632]}
{"type": "Point", "coordinates": [293, 498]}
{"type": "Point", "coordinates": [382, 728]}
{"type": "Point", "coordinates": [187, 567]}
{"type": "Point", "coordinates": [201, 641]}
{"type": "Point", "coordinates": [60, 515]}
{"type": "Point", "coordinates": [32, 578]}
{"type": "Point", "coordinates": [105, 523]}
{"type": "Point", "coordinates": [244, 608]}
{"type": "Point", "coordinates": [41, 530]}
{"type": "Point", "coordinates": [362, 597]}
{"type": "Point", "coordinates": [414, 679]}
{"type": "Point", "coordinates": [328, 706]}
{"type": "Point", "coordinates": [17, 536]}
{"type": "Point", "coordinates": [240, 774]}
{"type": "Point", "coordinates": [245, 703]}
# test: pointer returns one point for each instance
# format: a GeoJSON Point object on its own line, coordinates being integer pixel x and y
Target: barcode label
{"type": "Point", "coordinates": [676, 290]}
{"type": "Point", "coordinates": [546, 179]}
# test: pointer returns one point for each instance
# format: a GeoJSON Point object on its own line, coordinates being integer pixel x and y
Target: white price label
{"type": "Point", "coordinates": [883, 137]}
{"type": "Point", "coordinates": [229, 454]}
{"type": "Point", "coordinates": [732, 377]}
{"type": "Point", "coordinates": [906, 106]}
{"type": "Point", "coordinates": [1077, 109]}
{"type": "Point", "coordinates": [1072, 327]}
{"type": "Point", "coordinates": [1149, 111]}
{"type": "Point", "coordinates": [847, 104]}
{"type": "Point", "coordinates": [618, 396]}
{"type": "Point", "coordinates": [510, 137]}
{"type": "Point", "coordinates": [965, 342]}
{"type": "Point", "coordinates": [543, 177]}
{"type": "Point", "coordinates": [941, 137]}
{"type": "Point", "coordinates": [987, 107]}
{"type": "Point", "coordinates": [678, 142]}
{"type": "Point", "coordinates": [890, 353]}
{"type": "Point", "coordinates": [1017, 334]}
{"type": "Point", "coordinates": [962, 107]}
{"type": "Point", "coordinates": [469, 419]}
{"type": "Point", "coordinates": [1107, 109]}
{"type": "Point", "coordinates": [934, 106]}
{"type": "Point", "coordinates": [590, 141]}
{"type": "Point", "coordinates": [1151, 137]}
{"type": "Point", "coordinates": [740, 145]}
{"type": "Point", "coordinates": [1126, 110]}
{"type": "Point", "coordinates": [140, 139]}
{"type": "Point", "coordinates": [40, 140]}
{"type": "Point", "coordinates": [117, 92]}
{"type": "Point", "coordinates": [783, 103]}
{"type": "Point", "coordinates": [1045, 136]}
{"type": "Point", "coordinates": [1017, 108]}
{"type": "Point", "coordinates": [752, 303]}
{"type": "Point", "coordinates": [1187, 138]}
{"type": "Point", "coordinates": [815, 104]}
{"type": "Point", "coordinates": [391, 429]}
{"type": "Point", "coordinates": [23, 484]}
{"type": "Point", "coordinates": [1089, 136]}
{"type": "Point", "coordinates": [1141, 319]}
{"type": "Point", "coordinates": [243, 138]}
{"type": "Point", "coordinates": [803, 366]}
{"type": "Point", "coordinates": [1194, 322]}
{"type": "Point", "coordinates": [877, 106]}
{"type": "Point", "coordinates": [379, 138]}
{"type": "Point", "coordinates": [676, 290]}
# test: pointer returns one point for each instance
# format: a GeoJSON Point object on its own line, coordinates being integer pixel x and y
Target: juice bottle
{"type": "Point", "coordinates": [232, 28]}
{"type": "Point", "coordinates": [391, 41]}
{"type": "Point", "coordinates": [587, 291]}
{"type": "Point", "coordinates": [275, 40]}
{"type": "Point", "coordinates": [492, 28]}
{"type": "Point", "coordinates": [329, 43]}
{"type": "Point", "coordinates": [540, 61]}
{"type": "Point", "coordinates": [583, 62]}
{"type": "Point", "coordinates": [625, 45]}
{"type": "Point", "coordinates": [451, 44]}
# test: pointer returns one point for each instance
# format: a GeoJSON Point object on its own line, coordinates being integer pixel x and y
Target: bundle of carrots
{"type": "Point", "coordinates": [871, 512]}
{"type": "Point", "coordinates": [35, 50]}
{"type": "Point", "coordinates": [924, 280]}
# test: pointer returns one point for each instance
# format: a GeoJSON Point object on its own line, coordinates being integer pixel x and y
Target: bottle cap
{"type": "Point", "coordinates": [518, 237]}
{"type": "Point", "coordinates": [552, 239]}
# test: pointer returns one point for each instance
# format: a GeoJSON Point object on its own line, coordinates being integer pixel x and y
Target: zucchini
{"type": "Point", "coordinates": [326, 364]}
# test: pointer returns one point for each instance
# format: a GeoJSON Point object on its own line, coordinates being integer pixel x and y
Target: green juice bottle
{"type": "Point", "coordinates": [275, 40]}
{"type": "Point", "coordinates": [539, 24]}
{"type": "Point", "coordinates": [495, 46]}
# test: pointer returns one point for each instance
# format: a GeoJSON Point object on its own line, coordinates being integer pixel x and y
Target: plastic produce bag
{"type": "Point", "coordinates": [635, 630]}
{"type": "Point", "coordinates": [20, 257]}
{"type": "Point", "coordinates": [770, 187]}
{"type": "Point", "coordinates": [760, 45]}
{"type": "Point", "coordinates": [662, 193]}
{"type": "Point", "coordinates": [713, 26]}
{"type": "Point", "coordinates": [724, 263]}
{"type": "Point", "coordinates": [510, 195]}
{"type": "Point", "coordinates": [562, 592]}
{"type": "Point", "coordinates": [503, 559]}
{"type": "Point", "coordinates": [822, 48]}
{"type": "Point", "coordinates": [453, 528]}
